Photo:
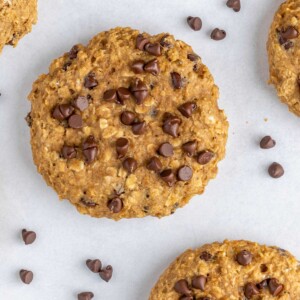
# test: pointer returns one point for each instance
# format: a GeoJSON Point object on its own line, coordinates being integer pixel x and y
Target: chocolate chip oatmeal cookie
{"type": "Point", "coordinates": [232, 270]}
{"type": "Point", "coordinates": [16, 19]}
{"type": "Point", "coordinates": [127, 126]}
{"type": "Point", "coordinates": [284, 52]}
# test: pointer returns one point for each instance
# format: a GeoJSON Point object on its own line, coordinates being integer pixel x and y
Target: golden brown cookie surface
{"type": "Point", "coordinates": [16, 19]}
{"type": "Point", "coordinates": [284, 53]}
{"type": "Point", "coordinates": [232, 270]}
{"type": "Point", "coordinates": [128, 126]}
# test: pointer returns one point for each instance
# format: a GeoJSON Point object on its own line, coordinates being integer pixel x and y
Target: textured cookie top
{"type": "Point", "coordinates": [284, 52]}
{"type": "Point", "coordinates": [128, 126]}
{"type": "Point", "coordinates": [233, 270]}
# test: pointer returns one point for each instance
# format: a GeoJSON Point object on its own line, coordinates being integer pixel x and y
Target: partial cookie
{"type": "Point", "coordinates": [284, 54]}
{"type": "Point", "coordinates": [235, 270]}
{"type": "Point", "coordinates": [127, 126]}
{"type": "Point", "coordinates": [16, 20]}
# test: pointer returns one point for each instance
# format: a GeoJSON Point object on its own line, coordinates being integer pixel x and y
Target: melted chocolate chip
{"type": "Point", "coordinates": [141, 41]}
{"type": "Point", "coordinates": [154, 164]}
{"type": "Point", "coordinates": [81, 103]}
{"type": "Point", "coordinates": [289, 33]}
{"type": "Point", "coordinates": [187, 108]}
{"type": "Point", "coordinates": [275, 287]}
{"type": "Point", "coordinates": [90, 149]}
{"type": "Point", "coordinates": [244, 258]}
{"type": "Point", "coordinates": [122, 145]}
{"type": "Point", "coordinates": [176, 80]}
{"type": "Point", "coordinates": [68, 152]}
{"type": "Point", "coordinates": [75, 121]}
{"type": "Point", "coordinates": [88, 203]}
{"type": "Point", "coordinates": [182, 287]}
{"type": "Point", "coordinates": [153, 49]}
{"type": "Point", "coordinates": [193, 57]}
{"type": "Point", "coordinates": [90, 81]}
{"type": "Point", "coordinates": [206, 256]}
{"type": "Point", "coordinates": [204, 157]}
{"type": "Point", "coordinates": [115, 205]}
{"type": "Point", "coordinates": [250, 290]}
{"type": "Point", "coordinates": [130, 164]}
{"type": "Point", "coordinates": [73, 52]}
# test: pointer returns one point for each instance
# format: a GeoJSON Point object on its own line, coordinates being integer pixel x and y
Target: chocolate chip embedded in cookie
{"type": "Point", "coordinates": [230, 270]}
{"type": "Point", "coordinates": [132, 126]}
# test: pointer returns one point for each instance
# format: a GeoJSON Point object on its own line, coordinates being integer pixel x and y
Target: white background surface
{"type": "Point", "coordinates": [242, 203]}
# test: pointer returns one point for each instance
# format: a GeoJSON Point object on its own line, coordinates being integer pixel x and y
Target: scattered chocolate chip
{"type": "Point", "coordinates": [138, 67]}
{"type": "Point", "coordinates": [182, 287]}
{"type": "Point", "coordinates": [289, 33]}
{"type": "Point", "coordinates": [28, 119]}
{"type": "Point", "coordinates": [195, 23]}
{"type": "Point", "coordinates": [115, 205]}
{"type": "Point", "coordinates": [106, 273]}
{"type": "Point", "coordinates": [88, 203]}
{"type": "Point", "coordinates": [187, 108]}
{"type": "Point", "coordinates": [168, 177]}
{"type": "Point", "coordinates": [234, 4]}
{"type": "Point", "coordinates": [263, 268]}
{"type": "Point", "coordinates": [193, 57]}
{"type": "Point", "coordinates": [244, 258]}
{"type": "Point", "coordinates": [123, 95]}
{"type": "Point", "coordinates": [206, 256]}
{"type": "Point", "coordinates": [190, 148]}
{"type": "Point", "coordinates": [184, 173]}
{"type": "Point", "coordinates": [186, 298]}
{"type": "Point", "coordinates": [127, 117]}
{"type": "Point", "coordinates": [122, 145]}
{"type": "Point", "coordinates": [139, 128]}
{"type": "Point", "coordinates": [73, 52]}
{"type": "Point", "coordinates": [110, 95]}
{"type": "Point", "coordinates": [198, 282]}
{"type": "Point", "coordinates": [94, 265]}
{"type": "Point", "coordinates": [90, 81]}
{"type": "Point", "coordinates": [171, 125]}
{"type": "Point", "coordinates": [250, 290]}
{"type": "Point", "coordinates": [204, 157]}
{"type": "Point", "coordinates": [28, 236]}
{"type": "Point", "coordinates": [141, 41]}
{"type": "Point", "coordinates": [164, 43]}
{"type": "Point", "coordinates": [75, 121]}
{"type": "Point", "coordinates": [166, 150]}
{"type": "Point", "coordinates": [139, 91]}
{"type": "Point", "coordinates": [288, 45]}
{"type": "Point", "coordinates": [68, 152]}
{"type": "Point", "coordinates": [276, 170]}
{"type": "Point", "coordinates": [130, 164]}
{"type": "Point", "coordinates": [66, 65]}
{"type": "Point", "coordinates": [81, 103]}
{"type": "Point", "coordinates": [62, 112]}
{"type": "Point", "coordinates": [152, 67]}
{"type": "Point", "coordinates": [153, 49]}
{"type": "Point", "coordinates": [26, 276]}
{"type": "Point", "coordinates": [263, 284]}
{"type": "Point", "coordinates": [85, 296]}
{"type": "Point", "coordinates": [218, 34]}
{"type": "Point", "coordinates": [90, 149]}
{"type": "Point", "coordinates": [275, 287]}
{"type": "Point", "coordinates": [267, 143]}
{"type": "Point", "coordinates": [154, 164]}
{"type": "Point", "coordinates": [176, 80]}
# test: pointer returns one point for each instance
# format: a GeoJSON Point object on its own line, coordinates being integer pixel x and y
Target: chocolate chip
{"type": "Point", "coordinates": [130, 164]}
{"type": "Point", "coordinates": [123, 95]}
{"type": "Point", "coordinates": [195, 23]}
{"type": "Point", "coordinates": [168, 177]}
{"type": "Point", "coordinates": [88, 203]}
{"type": "Point", "coordinates": [164, 43]}
{"type": "Point", "coordinates": [275, 287]}
{"type": "Point", "coordinates": [263, 284]}
{"type": "Point", "coordinates": [166, 150]}
{"type": "Point", "coordinates": [250, 290]}
{"type": "Point", "coordinates": [73, 52]}
{"type": "Point", "coordinates": [68, 152]}
{"type": "Point", "coordinates": [185, 173]}
{"type": "Point", "coordinates": [176, 80]}
{"type": "Point", "coordinates": [193, 57]}
{"type": "Point", "coordinates": [127, 117]}
{"type": "Point", "coordinates": [171, 125]}
{"type": "Point", "coordinates": [85, 296]}
{"type": "Point", "coordinates": [276, 170]}
{"type": "Point", "coordinates": [94, 265]}
{"type": "Point", "coordinates": [110, 95]}
{"type": "Point", "coordinates": [139, 91]}
{"type": "Point", "coordinates": [187, 108]}
{"type": "Point", "coordinates": [115, 205]}
{"type": "Point", "coordinates": [90, 149]}
{"type": "Point", "coordinates": [28, 236]}
{"type": "Point", "coordinates": [289, 33]}
{"type": "Point", "coordinates": [122, 145]}
{"type": "Point", "coordinates": [141, 41]}
{"type": "Point", "coordinates": [106, 273]}
{"type": "Point", "coordinates": [26, 276]}
{"type": "Point", "coordinates": [138, 67]}
{"type": "Point", "coordinates": [153, 49]}
{"type": "Point", "coordinates": [90, 81]}
{"type": "Point", "coordinates": [218, 34]}
{"type": "Point", "coordinates": [190, 148]}
{"type": "Point", "coordinates": [234, 4]}
{"type": "Point", "coordinates": [81, 103]}
{"type": "Point", "coordinates": [263, 268]}
{"type": "Point", "coordinates": [28, 119]}
{"type": "Point", "coordinates": [154, 164]}
{"type": "Point", "coordinates": [206, 256]}
{"type": "Point", "coordinates": [267, 142]}
{"type": "Point", "coordinates": [75, 121]}
{"type": "Point", "coordinates": [182, 287]}
{"type": "Point", "coordinates": [66, 65]}
{"type": "Point", "coordinates": [204, 157]}
{"type": "Point", "coordinates": [187, 298]}
{"type": "Point", "coordinates": [62, 112]}
{"type": "Point", "coordinates": [244, 258]}
{"type": "Point", "coordinates": [152, 67]}
{"type": "Point", "coordinates": [198, 282]}
{"type": "Point", "coordinates": [139, 128]}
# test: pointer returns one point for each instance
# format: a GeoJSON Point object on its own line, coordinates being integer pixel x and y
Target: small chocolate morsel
{"type": "Point", "coordinates": [234, 4]}
{"type": "Point", "coordinates": [171, 125]}
{"type": "Point", "coordinates": [139, 127]}
{"type": "Point", "coordinates": [154, 164]}
{"type": "Point", "coordinates": [130, 164]}
{"type": "Point", "coordinates": [182, 287]}
{"type": "Point", "coordinates": [85, 296]}
{"type": "Point", "coordinates": [250, 290]}
{"type": "Point", "coordinates": [195, 23]}
{"type": "Point", "coordinates": [168, 177]}
{"type": "Point", "coordinates": [68, 152]}
{"type": "Point", "coordinates": [244, 258]}
{"type": "Point", "coordinates": [138, 66]}
{"type": "Point", "coordinates": [276, 170]}
{"type": "Point", "coordinates": [81, 103]}
{"type": "Point", "coordinates": [62, 112]}
{"type": "Point", "coordinates": [90, 149]}
{"type": "Point", "coordinates": [176, 80]}
{"type": "Point", "coordinates": [206, 256]}
{"type": "Point", "coordinates": [122, 145]}
{"type": "Point", "coordinates": [75, 121]}
{"type": "Point", "coordinates": [152, 67]}
{"type": "Point", "coordinates": [28, 236]}
{"type": "Point", "coordinates": [289, 33]}
{"type": "Point", "coordinates": [218, 34]}
{"type": "Point", "coordinates": [187, 108]}
{"type": "Point", "coordinates": [184, 173]}
{"type": "Point", "coordinates": [127, 117]}
{"type": "Point", "coordinates": [267, 143]}
{"type": "Point", "coordinates": [90, 81]}
{"type": "Point", "coordinates": [190, 148]}
{"type": "Point", "coordinates": [106, 273]}
{"type": "Point", "coordinates": [198, 282]}
{"type": "Point", "coordinates": [204, 157]}
{"type": "Point", "coordinates": [115, 205]}
{"type": "Point", "coordinates": [110, 95]}
{"type": "Point", "coordinates": [141, 41]}
{"type": "Point", "coordinates": [193, 57]}
{"type": "Point", "coordinates": [123, 95]}
{"type": "Point", "coordinates": [94, 265]}
{"type": "Point", "coordinates": [166, 150]}
{"type": "Point", "coordinates": [275, 287]}
{"type": "Point", "coordinates": [154, 49]}
{"type": "Point", "coordinates": [26, 276]}
{"type": "Point", "coordinates": [139, 91]}
{"type": "Point", "coordinates": [73, 52]}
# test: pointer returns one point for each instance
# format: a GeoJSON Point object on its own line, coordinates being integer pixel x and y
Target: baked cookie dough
{"type": "Point", "coordinates": [16, 20]}
{"type": "Point", "coordinates": [284, 54]}
{"type": "Point", "coordinates": [232, 270]}
{"type": "Point", "coordinates": [127, 126]}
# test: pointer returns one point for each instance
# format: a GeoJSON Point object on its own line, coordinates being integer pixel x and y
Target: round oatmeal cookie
{"type": "Point", "coordinates": [284, 54]}
{"type": "Point", "coordinates": [230, 270]}
{"type": "Point", "coordinates": [16, 19]}
{"type": "Point", "coordinates": [127, 126]}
